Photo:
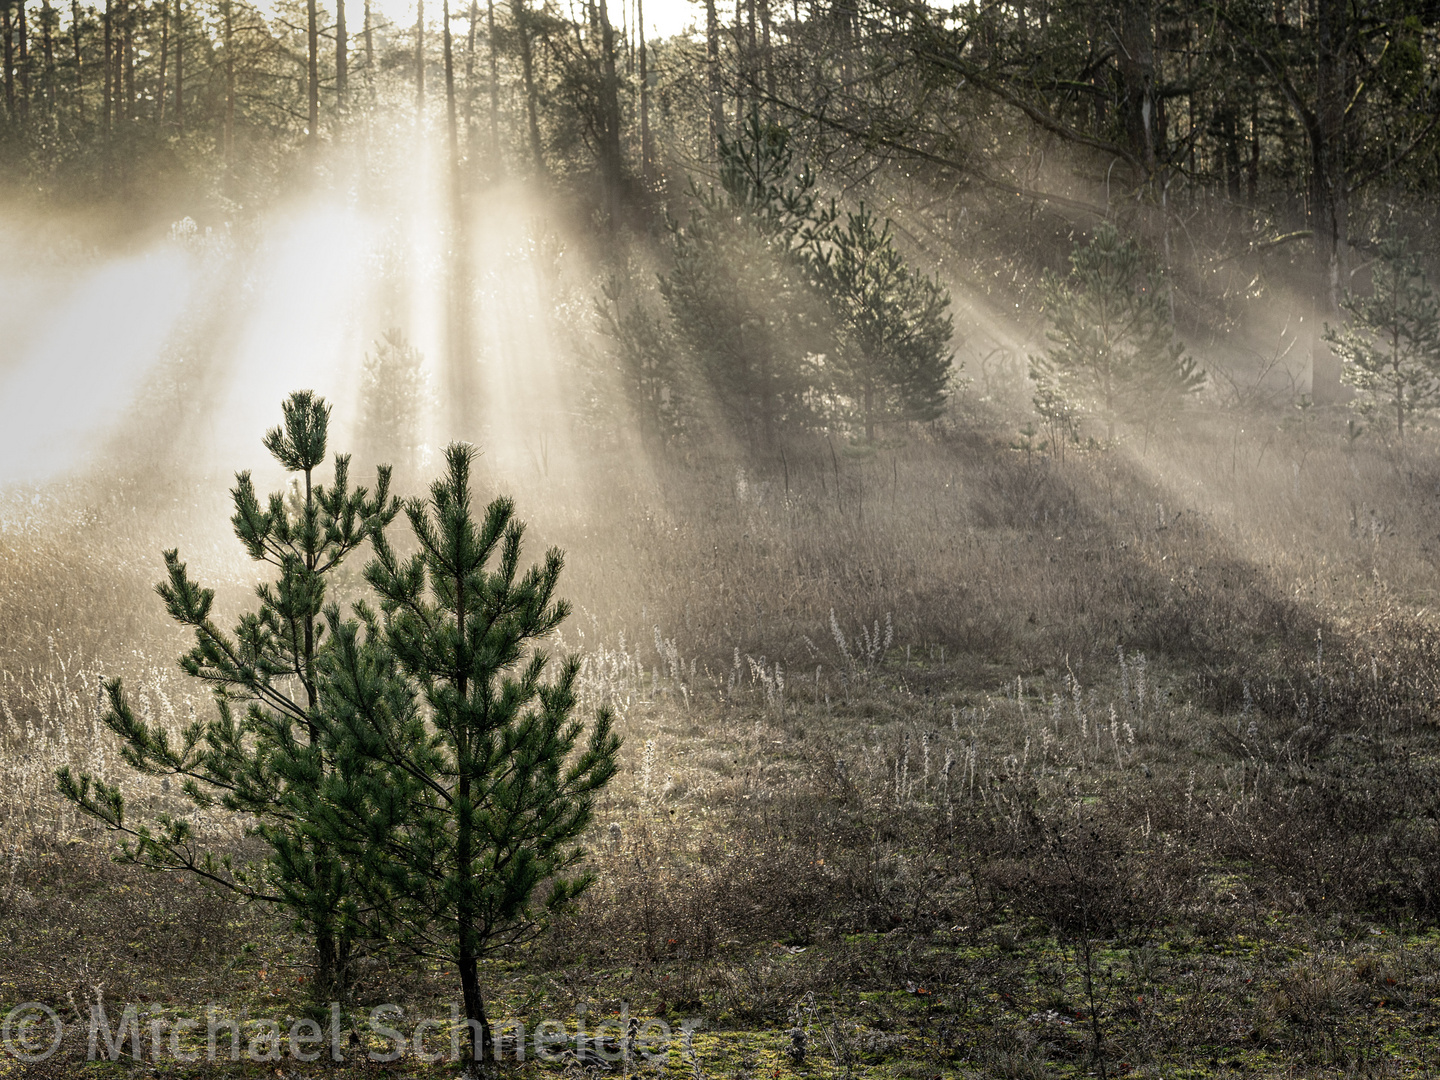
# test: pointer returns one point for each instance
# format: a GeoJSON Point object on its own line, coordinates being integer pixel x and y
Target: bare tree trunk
{"type": "Point", "coordinates": [342, 54]}
{"type": "Point", "coordinates": [1135, 48]}
{"type": "Point", "coordinates": [527, 73]}
{"type": "Point", "coordinates": [739, 69]}
{"type": "Point", "coordinates": [127, 24]}
{"type": "Point", "coordinates": [1328, 209]}
{"type": "Point", "coordinates": [1252, 173]}
{"type": "Point", "coordinates": [751, 49]}
{"type": "Point", "coordinates": [494, 84]}
{"type": "Point", "coordinates": [312, 75]}
{"type": "Point", "coordinates": [117, 62]}
{"type": "Point", "coordinates": [79, 66]}
{"type": "Point", "coordinates": [1230, 152]}
{"type": "Point", "coordinates": [107, 64]}
{"type": "Point", "coordinates": [369, 46]}
{"type": "Point", "coordinates": [419, 56]}
{"type": "Point", "coordinates": [712, 67]}
{"type": "Point", "coordinates": [48, 20]}
{"type": "Point", "coordinates": [644, 98]}
{"type": "Point", "coordinates": [472, 31]}
{"type": "Point", "coordinates": [227, 14]}
{"type": "Point", "coordinates": [9, 33]}
{"type": "Point", "coordinates": [164, 61]}
{"type": "Point", "coordinates": [22, 31]}
{"type": "Point", "coordinates": [610, 158]}
{"type": "Point", "coordinates": [452, 119]}
{"type": "Point", "coordinates": [459, 288]}
{"type": "Point", "coordinates": [180, 66]}
{"type": "Point", "coordinates": [769, 58]}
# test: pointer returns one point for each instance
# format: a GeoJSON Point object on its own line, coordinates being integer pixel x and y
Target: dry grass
{"type": "Point", "coordinates": [1126, 764]}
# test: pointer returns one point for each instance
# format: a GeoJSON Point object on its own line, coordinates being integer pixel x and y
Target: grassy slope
{"type": "Point", "coordinates": [1236, 870]}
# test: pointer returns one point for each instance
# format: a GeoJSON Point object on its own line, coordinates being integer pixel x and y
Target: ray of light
{"type": "Point", "coordinates": [67, 386]}
{"type": "Point", "coordinates": [303, 328]}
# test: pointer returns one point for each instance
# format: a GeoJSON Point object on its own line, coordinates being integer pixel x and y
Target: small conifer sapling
{"type": "Point", "coordinates": [264, 754]}
{"type": "Point", "coordinates": [472, 826]}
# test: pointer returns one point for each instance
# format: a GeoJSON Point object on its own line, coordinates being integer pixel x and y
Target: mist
{"type": "Point", "coordinates": [821, 540]}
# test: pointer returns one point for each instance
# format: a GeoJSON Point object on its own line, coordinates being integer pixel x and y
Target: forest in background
{"type": "Point", "coordinates": [991, 452]}
{"type": "Point", "coordinates": [1259, 151]}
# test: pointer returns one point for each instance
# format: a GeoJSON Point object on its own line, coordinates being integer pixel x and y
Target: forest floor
{"type": "Point", "coordinates": [1082, 773]}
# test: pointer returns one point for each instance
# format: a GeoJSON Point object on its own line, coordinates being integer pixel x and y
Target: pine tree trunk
{"type": "Point", "coordinates": [610, 160]}
{"type": "Point", "coordinates": [22, 33]}
{"type": "Point", "coordinates": [342, 54]}
{"type": "Point", "coordinates": [1135, 58]}
{"type": "Point", "coordinates": [9, 34]}
{"type": "Point", "coordinates": [312, 73]}
{"type": "Point", "coordinates": [482, 1038]}
{"type": "Point", "coordinates": [712, 67]}
{"type": "Point", "coordinates": [452, 118]}
{"type": "Point", "coordinates": [369, 46]}
{"type": "Point", "coordinates": [128, 55]}
{"type": "Point", "coordinates": [527, 73]}
{"type": "Point", "coordinates": [327, 982]}
{"type": "Point", "coordinates": [420, 56]}
{"type": "Point", "coordinates": [644, 98]}
{"type": "Point", "coordinates": [79, 66]}
{"type": "Point", "coordinates": [768, 53]}
{"type": "Point", "coordinates": [164, 61]}
{"type": "Point", "coordinates": [494, 84]}
{"type": "Point", "coordinates": [47, 24]}
{"type": "Point", "coordinates": [228, 18]}
{"type": "Point", "coordinates": [1328, 212]}
{"type": "Point", "coordinates": [107, 64]}
{"type": "Point", "coordinates": [180, 66]}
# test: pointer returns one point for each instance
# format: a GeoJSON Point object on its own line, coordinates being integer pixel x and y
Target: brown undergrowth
{"type": "Point", "coordinates": [950, 759]}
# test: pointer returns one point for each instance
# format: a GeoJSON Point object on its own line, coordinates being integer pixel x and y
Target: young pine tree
{"type": "Point", "coordinates": [737, 290]}
{"type": "Point", "coordinates": [271, 761]}
{"type": "Point", "coordinates": [394, 399]}
{"type": "Point", "coordinates": [646, 364]}
{"type": "Point", "coordinates": [1391, 349]}
{"type": "Point", "coordinates": [893, 359]}
{"type": "Point", "coordinates": [1113, 339]}
{"type": "Point", "coordinates": [486, 786]}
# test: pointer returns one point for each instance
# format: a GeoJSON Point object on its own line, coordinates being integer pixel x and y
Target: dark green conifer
{"type": "Point", "coordinates": [892, 329]}
{"type": "Point", "coordinates": [1114, 349]}
{"type": "Point", "coordinates": [1391, 348]}
{"type": "Point", "coordinates": [394, 401]}
{"type": "Point", "coordinates": [738, 289]}
{"type": "Point", "coordinates": [486, 783]}
{"type": "Point", "coordinates": [272, 760]}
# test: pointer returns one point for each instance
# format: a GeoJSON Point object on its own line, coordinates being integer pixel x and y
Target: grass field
{"type": "Point", "coordinates": [942, 759]}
